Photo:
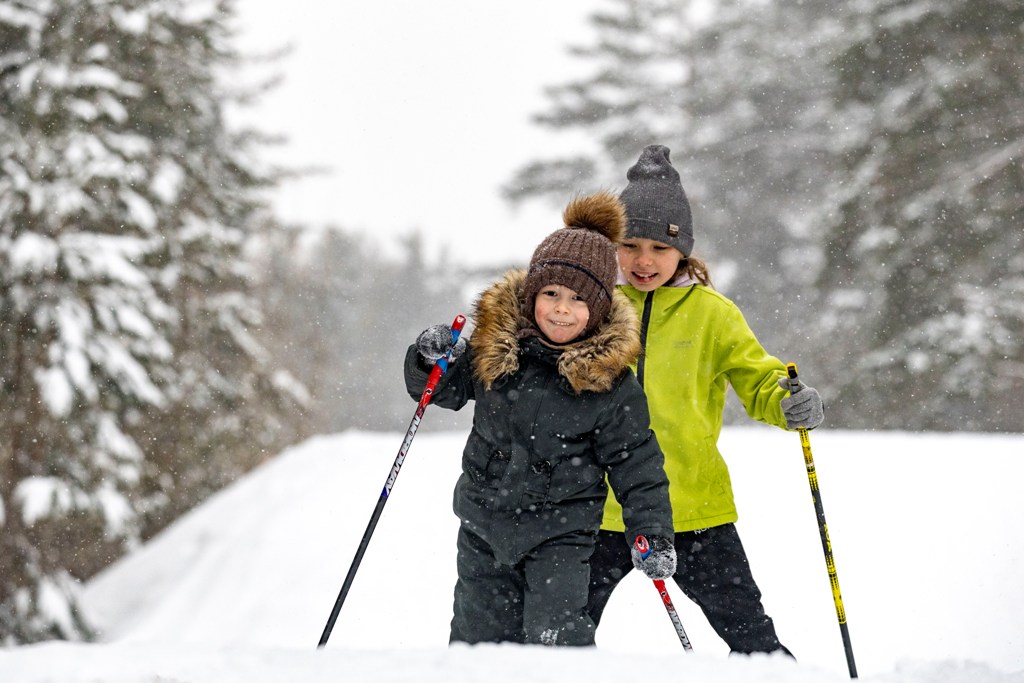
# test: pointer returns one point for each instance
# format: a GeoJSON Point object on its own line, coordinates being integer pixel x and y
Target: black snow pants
{"type": "Point", "coordinates": [712, 571]}
{"type": "Point", "coordinates": [540, 600]}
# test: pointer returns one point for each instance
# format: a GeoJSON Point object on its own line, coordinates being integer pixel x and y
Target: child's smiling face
{"type": "Point", "coordinates": [561, 313]}
{"type": "Point", "coordinates": [647, 264]}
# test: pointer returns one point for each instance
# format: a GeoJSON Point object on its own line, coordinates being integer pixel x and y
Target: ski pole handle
{"type": "Point", "coordinates": [794, 382]}
{"type": "Point", "coordinates": [456, 327]}
{"type": "Point", "coordinates": [441, 366]}
{"type": "Point", "coordinates": [644, 548]}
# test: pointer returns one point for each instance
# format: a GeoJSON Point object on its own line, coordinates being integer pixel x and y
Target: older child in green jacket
{"type": "Point", "coordinates": [696, 344]}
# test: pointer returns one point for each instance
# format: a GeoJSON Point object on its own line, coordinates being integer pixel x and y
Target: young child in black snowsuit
{"type": "Point", "coordinates": [557, 411]}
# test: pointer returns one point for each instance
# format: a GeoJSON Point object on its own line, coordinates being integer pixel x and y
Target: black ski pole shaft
{"type": "Point", "coordinates": [826, 544]}
{"type": "Point", "coordinates": [435, 375]}
{"type": "Point", "coordinates": [644, 548]}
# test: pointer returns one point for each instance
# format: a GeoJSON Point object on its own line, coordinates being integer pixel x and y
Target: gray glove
{"type": "Point", "coordinates": [803, 407]}
{"type": "Point", "coordinates": [660, 560]}
{"type": "Point", "coordinates": [435, 342]}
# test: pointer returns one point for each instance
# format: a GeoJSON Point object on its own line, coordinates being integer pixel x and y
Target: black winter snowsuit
{"type": "Point", "coordinates": [549, 425]}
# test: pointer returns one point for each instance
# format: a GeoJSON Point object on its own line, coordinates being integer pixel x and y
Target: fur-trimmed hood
{"type": "Point", "coordinates": [591, 364]}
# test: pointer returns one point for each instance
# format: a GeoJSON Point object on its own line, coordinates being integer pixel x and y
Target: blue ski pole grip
{"type": "Point", "coordinates": [457, 325]}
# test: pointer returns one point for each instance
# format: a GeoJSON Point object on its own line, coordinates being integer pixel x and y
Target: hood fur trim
{"type": "Point", "coordinates": [593, 364]}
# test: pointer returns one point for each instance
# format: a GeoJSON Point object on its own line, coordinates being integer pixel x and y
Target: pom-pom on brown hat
{"type": "Point", "coordinates": [580, 256]}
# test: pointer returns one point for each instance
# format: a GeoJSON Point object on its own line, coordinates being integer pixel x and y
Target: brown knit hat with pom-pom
{"type": "Point", "coordinates": [581, 256]}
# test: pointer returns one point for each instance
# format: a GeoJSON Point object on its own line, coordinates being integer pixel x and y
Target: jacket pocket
{"type": "Point", "coordinates": [496, 466]}
{"type": "Point", "coordinates": [538, 480]}
{"type": "Point", "coordinates": [490, 472]}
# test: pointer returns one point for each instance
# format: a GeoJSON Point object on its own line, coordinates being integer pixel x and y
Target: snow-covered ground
{"type": "Point", "coordinates": [925, 531]}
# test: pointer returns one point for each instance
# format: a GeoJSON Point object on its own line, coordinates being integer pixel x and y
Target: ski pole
{"type": "Point", "coordinates": [826, 544]}
{"type": "Point", "coordinates": [644, 548]}
{"type": "Point", "coordinates": [435, 375]}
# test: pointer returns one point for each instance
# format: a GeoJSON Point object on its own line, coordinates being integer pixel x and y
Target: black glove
{"type": "Point", "coordinates": [660, 562]}
{"type": "Point", "coordinates": [435, 342]}
{"type": "Point", "coordinates": [803, 407]}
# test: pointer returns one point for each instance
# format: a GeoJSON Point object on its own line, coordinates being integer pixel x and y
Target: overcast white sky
{"type": "Point", "coordinates": [422, 111]}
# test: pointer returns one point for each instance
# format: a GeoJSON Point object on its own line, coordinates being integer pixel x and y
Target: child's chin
{"type": "Point", "coordinates": [644, 285]}
{"type": "Point", "coordinates": [561, 337]}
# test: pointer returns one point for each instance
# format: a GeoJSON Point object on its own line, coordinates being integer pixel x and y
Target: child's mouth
{"type": "Point", "coordinates": [644, 278]}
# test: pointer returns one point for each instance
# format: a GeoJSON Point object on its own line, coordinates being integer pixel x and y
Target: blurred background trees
{"type": "Point", "coordinates": [923, 227]}
{"type": "Point", "coordinates": [855, 173]}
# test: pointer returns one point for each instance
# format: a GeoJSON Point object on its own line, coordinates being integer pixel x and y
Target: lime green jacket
{"type": "Point", "coordinates": [696, 344]}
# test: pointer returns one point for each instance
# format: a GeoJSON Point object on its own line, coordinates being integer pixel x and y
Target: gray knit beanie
{"type": "Point", "coordinates": [656, 206]}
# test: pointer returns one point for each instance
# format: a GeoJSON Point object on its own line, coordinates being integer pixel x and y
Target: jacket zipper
{"type": "Point", "coordinates": [645, 320]}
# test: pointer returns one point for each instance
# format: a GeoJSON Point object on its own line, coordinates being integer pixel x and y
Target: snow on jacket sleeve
{"type": "Point", "coordinates": [629, 451]}
{"type": "Point", "coordinates": [455, 388]}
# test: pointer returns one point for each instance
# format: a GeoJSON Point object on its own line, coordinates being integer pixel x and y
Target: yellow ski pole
{"type": "Point", "coordinates": [826, 544]}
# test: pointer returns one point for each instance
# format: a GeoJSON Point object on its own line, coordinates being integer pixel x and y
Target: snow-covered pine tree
{"type": "Point", "coordinates": [229, 408]}
{"type": "Point", "coordinates": [634, 95]}
{"type": "Point", "coordinates": [85, 327]}
{"type": "Point", "coordinates": [123, 205]}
